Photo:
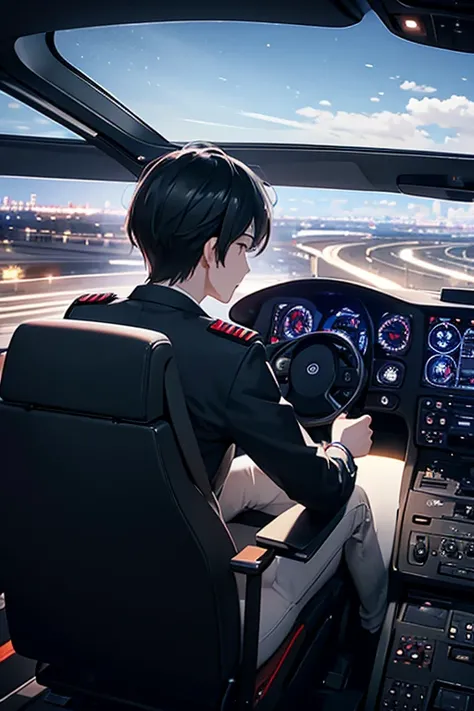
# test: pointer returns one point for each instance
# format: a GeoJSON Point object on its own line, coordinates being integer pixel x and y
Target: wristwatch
{"type": "Point", "coordinates": [348, 459]}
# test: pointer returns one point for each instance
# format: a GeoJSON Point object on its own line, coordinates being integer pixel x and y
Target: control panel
{"type": "Point", "coordinates": [430, 663]}
{"type": "Point", "coordinates": [461, 630]}
{"type": "Point", "coordinates": [438, 528]}
{"type": "Point", "coordinates": [414, 650]}
{"type": "Point", "coordinates": [446, 422]}
{"type": "Point", "coordinates": [403, 695]}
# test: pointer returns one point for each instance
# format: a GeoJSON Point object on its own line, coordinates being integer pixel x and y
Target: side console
{"type": "Point", "coordinates": [437, 541]}
{"type": "Point", "coordinates": [430, 665]}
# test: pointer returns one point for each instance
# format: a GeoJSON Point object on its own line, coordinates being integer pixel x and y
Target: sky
{"type": "Point", "coordinates": [222, 81]}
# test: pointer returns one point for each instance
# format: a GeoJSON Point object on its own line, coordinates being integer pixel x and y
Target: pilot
{"type": "Point", "coordinates": [196, 215]}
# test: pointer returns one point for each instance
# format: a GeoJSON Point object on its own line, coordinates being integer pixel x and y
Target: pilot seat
{"type": "Point", "coordinates": [118, 571]}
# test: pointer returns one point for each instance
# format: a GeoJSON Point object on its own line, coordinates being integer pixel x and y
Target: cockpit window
{"type": "Point", "coordinates": [18, 119]}
{"type": "Point", "coordinates": [63, 238]}
{"type": "Point", "coordinates": [252, 82]}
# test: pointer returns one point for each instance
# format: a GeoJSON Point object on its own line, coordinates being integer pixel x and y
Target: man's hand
{"type": "Point", "coordinates": [356, 434]}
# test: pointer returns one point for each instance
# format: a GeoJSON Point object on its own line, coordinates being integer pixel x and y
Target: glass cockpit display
{"type": "Point", "coordinates": [292, 319]}
{"type": "Point", "coordinates": [450, 353]}
{"type": "Point", "coordinates": [350, 323]}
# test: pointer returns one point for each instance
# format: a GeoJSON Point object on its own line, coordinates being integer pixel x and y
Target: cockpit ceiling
{"type": "Point", "coordinates": [31, 17]}
{"type": "Point", "coordinates": [446, 24]}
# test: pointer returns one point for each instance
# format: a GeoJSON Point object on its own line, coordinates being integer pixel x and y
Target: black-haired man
{"type": "Point", "coordinates": [195, 216]}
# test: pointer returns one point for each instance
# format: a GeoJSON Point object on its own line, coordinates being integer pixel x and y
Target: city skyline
{"type": "Point", "coordinates": [305, 203]}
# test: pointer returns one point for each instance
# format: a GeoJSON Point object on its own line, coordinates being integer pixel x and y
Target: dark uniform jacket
{"type": "Point", "coordinates": [232, 395]}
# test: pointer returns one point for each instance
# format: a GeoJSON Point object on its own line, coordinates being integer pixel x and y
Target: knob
{"type": "Point", "coordinates": [450, 548]}
{"type": "Point", "coordinates": [420, 552]}
{"type": "Point", "coordinates": [282, 364]}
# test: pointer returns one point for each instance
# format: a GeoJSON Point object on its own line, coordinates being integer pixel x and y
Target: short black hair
{"type": "Point", "coordinates": [189, 196]}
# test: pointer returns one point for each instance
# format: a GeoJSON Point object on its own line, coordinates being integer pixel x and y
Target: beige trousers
{"type": "Point", "coordinates": [288, 585]}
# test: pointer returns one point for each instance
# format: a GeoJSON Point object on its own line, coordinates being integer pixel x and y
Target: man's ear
{"type": "Point", "coordinates": [209, 256]}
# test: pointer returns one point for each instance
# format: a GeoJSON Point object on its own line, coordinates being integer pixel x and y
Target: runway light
{"type": "Point", "coordinates": [12, 273]}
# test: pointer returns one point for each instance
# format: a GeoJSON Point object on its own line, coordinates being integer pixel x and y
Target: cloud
{"type": "Point", "coordinates": [215, 123]}
{"type": "Point", "coordinates": [417, 88]}
{"type": "Point", "coordinates": [456, 113]}
{"type": "Point", "coordinates": [14, 105]}
{"type": "Point", "coordinates": [409, 129]}
{"type": "Point", "coordinates": [369, 66]}
{"type": "Point", "coordinates": [348, 129]}
{"type": "Point", "coordinates": [325, 102]}
{"type": "Point", "coordinates": [309, 112]}
{"type": "Point", "coordinates": [375, 99]}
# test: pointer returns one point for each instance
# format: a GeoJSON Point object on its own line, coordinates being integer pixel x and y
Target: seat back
{"type": "Point", "coordinates": [114, 565]}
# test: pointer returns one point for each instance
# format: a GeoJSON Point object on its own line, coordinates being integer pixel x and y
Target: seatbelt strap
{"type": "Point", "coordinates": [186, 437]}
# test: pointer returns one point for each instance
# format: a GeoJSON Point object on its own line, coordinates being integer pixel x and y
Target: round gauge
{"type": "Point", "coordinates": [391, 374]}
{"type": "Point", "coordinates": [444, 338]}
{"type": "Point", "coordinates": [297, 322]}
{"type": "Point", "coordinates": [440, 370]}
{"type": "Point", "coordinates": [350, 324]}
{"type": "Point", "coordinates": [394, 334]}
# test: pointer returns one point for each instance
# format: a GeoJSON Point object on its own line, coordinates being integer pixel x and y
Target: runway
{"type": "Point", "coordinates": [384, 263]}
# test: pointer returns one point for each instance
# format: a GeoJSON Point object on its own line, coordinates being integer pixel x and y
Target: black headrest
{"type": "Point", "coordinates": [86, 367]}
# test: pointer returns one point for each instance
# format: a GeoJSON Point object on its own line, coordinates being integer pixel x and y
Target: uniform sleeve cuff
{"type": "Point", "coordinates": [338, 451]}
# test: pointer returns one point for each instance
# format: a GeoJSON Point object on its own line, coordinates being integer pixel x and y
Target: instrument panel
{"type": "Point", "coordinates": [383, 337]}
{"type": "Point", "coordinates": [292, 318]}
{"type": "Point", "coordinates": [415, 346]}
{"type": "Point", "coordinates": [449, 353]}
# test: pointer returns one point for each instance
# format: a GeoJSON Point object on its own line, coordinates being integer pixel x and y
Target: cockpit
{"type": "Point", "coordinates": [357, 114]}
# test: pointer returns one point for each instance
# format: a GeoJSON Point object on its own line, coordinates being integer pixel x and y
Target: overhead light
{"type": "Point", "coordinates": [412, 25]}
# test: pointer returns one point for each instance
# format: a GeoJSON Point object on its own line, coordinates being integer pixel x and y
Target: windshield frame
{"type": "Point", "coordinates": [40, 78]}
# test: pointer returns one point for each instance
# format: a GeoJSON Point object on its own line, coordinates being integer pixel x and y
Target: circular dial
{"type": "Point", "coordinates": [444, 338]}
{"type": "Point", "coordinates": [297, 322]}
{"type": "Point", "coordinates": [350, 324]}
{"type": "Point", "coordinates": [391, 374]}
{"type": "Point", "coordinates": [441, 371]}
{"type": "Point", "coordinates": [394, 334]}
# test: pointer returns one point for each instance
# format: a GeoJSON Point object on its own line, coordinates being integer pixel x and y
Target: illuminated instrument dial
{"type": "Point", "coordinates": [440, 370]}
{"type": "Point", "coordinates": [444, 338]}
{"type": "Point", "coordinates": [297, 322]}
{"type": "Point", "coordinates": [394, 334]}
{"type": "Point", "coordinates": [391, 374]}
{"type": "Point", "coordinates": [350, 324]}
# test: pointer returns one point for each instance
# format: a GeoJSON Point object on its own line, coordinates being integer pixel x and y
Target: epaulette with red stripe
{"type": "Point", "coordinates": [234, 332]}
{"type": "Point", "coordinates": [91, 300]}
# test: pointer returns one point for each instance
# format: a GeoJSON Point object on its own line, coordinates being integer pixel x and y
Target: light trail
{"type": "Point", "coordinates": [407, 255]}
{"type": "Point", "coordinates": [330, 254]}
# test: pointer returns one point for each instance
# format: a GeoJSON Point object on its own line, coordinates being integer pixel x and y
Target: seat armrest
{"type": "Point", "coordinates": [297, 533]}
{"type": "Point", "coordinates": [252, 560]}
